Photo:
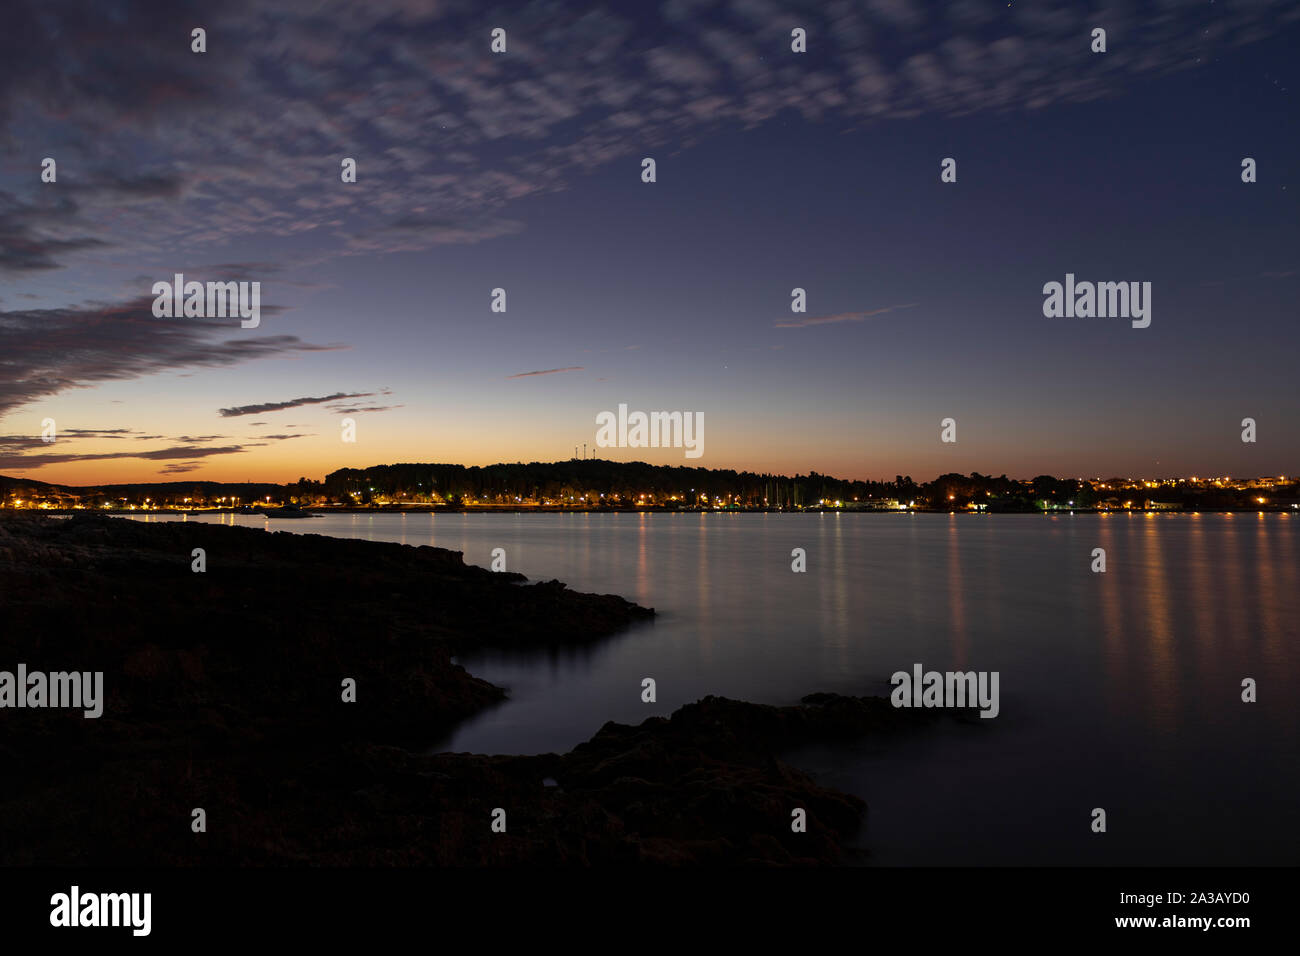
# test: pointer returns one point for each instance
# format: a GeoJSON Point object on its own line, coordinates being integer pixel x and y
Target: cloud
{"type": "Point", "coordinates": [413, 233]}
{"type": "Point", "coordinates": [291, 403]}
{"type": "Point", "coordinates": [34, 236]}
{"type": "Point", "coordinates": [44, 352]}
{"type": "Point", "coordinates": [157, 454]}
{"type": "Point", "coordinates": [19, 448]}
{"type": "Point", "coordinates": [19, 254]}
{"type": "Point", "coordinates": [101, 432]}
{"type": "Point", "coordinates": [548, 371]}
{"type": "Point", "coordinates": [22, 441]}
{"type": "Point", "coordinates": [447, 137]}
{"type": "Point", "coordinates": [840, 317]}
{"type": "Point", "coordinates": [67, 435]}
{"type": "Point", "coordinates": [165, 185]}
{"type": "Point", "coordinates": [349, 409]}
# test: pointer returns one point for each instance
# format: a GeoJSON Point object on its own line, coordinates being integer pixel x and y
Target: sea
{"type": "Point", "coordinates": [1120, 690]}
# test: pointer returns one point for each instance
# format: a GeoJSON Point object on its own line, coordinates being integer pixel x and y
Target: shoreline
{"type": "Point", "coordinates": [222, 692]}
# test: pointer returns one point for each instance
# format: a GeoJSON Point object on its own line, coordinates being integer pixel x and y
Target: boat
{"type": "Point", "coordinates": [288, 511]}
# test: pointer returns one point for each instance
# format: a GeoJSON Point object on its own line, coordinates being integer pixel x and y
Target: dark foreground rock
{"type": "Point", "coordinates": [268, 632]}
{"type": "Point", "coordinates": [222, 691]}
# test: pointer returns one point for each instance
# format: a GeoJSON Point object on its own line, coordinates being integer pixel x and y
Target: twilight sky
{"type": "Point", "coordinates": [775, 170]}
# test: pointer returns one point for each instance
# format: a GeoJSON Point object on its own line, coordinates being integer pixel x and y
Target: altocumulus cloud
{"type": "Point", "coordinates": [585, 84]}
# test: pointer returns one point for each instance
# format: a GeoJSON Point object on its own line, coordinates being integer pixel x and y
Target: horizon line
{"type": "Point", "coordinates": [560, 461]}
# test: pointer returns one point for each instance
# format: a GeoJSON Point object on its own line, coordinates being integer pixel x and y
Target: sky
{"type": "Point", "coordinates": [774, 170]}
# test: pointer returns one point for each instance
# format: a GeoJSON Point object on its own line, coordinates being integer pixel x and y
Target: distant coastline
{"type": "Point", "coordinates": [595, 485]}
{"type": "Point", "coordinates": [508, 509]}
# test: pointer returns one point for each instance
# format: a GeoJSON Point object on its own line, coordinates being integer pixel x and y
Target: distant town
{"type": "Point", "coordinates": [598, 485]}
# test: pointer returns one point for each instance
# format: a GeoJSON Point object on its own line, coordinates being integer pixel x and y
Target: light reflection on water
{"type": "Point", "coordinates": [1119, 690]}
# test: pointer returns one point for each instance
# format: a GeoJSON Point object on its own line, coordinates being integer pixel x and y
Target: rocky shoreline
{"type": "Point", "coordinates": [222, 691]}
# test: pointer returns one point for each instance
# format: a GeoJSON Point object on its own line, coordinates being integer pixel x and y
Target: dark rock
{"type": "Point", "coordinates": [223, 692]}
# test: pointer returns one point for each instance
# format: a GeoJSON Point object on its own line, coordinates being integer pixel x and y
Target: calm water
{"type": "Point", "coordinates": [1118, 690]}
